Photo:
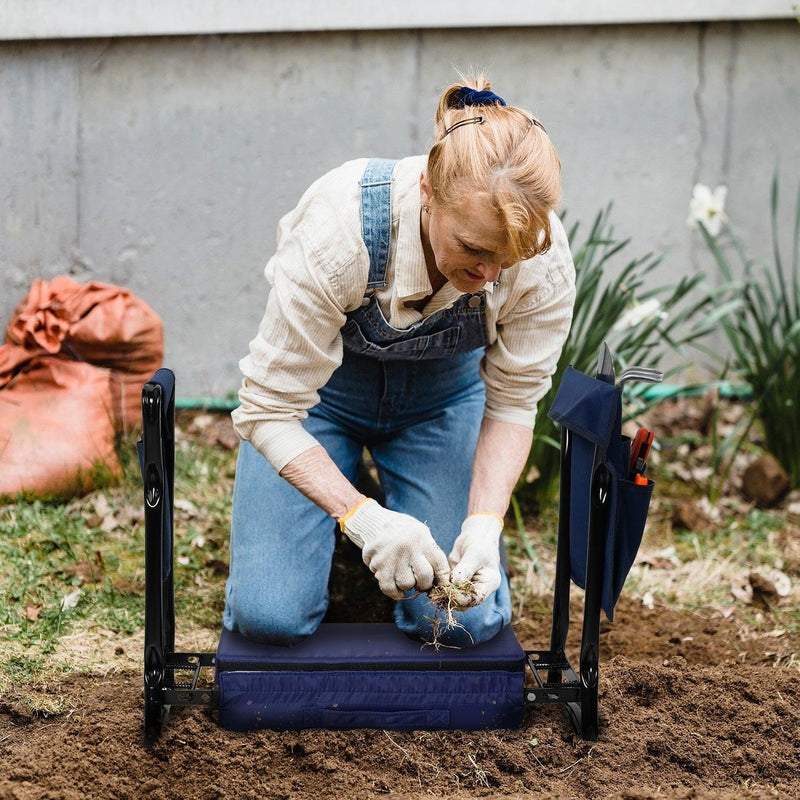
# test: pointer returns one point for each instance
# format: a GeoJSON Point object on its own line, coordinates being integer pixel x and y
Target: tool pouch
{"type": "Point", "coordinates": [591, 410]}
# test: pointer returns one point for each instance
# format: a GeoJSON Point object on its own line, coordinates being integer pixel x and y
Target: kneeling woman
{"type": "Point", "coordinates": [417, 308]}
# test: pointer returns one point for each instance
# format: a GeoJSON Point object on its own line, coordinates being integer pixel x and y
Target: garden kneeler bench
{"type": "Point", "coordinates": [348, 675]}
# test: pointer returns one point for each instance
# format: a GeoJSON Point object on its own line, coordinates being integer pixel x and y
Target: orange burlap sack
{"type": "Point", "coordinates": [71, 373]}
{"type": "Point", "coordinates": [98, 323]}
{"type": "Point", "coordinates": [56, 429]}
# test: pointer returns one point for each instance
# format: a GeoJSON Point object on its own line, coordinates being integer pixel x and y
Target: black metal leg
{"type": "Point", "coordinates": [168, 516]}
{"type": "Point", "coordinates": [560, 628]}
{"type": "Point", "coordinates": [590, 637]}
{"type": "Point", "coordinates": [155, 645]}
{"type": "Point", "coordinates": [590, 417]}
{"type": "Point", "coordinates": [161, 662]}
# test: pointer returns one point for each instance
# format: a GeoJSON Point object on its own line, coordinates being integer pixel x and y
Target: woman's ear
{"type": "Point", "coordinates": [425, 195]}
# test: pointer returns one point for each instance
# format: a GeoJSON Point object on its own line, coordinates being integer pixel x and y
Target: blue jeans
{"type": "Point", "coordinates": [420, 421]}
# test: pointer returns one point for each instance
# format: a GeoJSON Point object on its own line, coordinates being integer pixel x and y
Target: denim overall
{"type": "Point", "coordinates": [415, 399]}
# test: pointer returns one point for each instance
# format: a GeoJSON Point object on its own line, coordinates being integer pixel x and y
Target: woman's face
{"type": "Point", "coordinates": [466, 241]}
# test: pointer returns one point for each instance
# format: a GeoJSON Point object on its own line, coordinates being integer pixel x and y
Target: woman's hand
{"type": "Point", "coordinates": [475, 557]}
{"type": "Point", "coordinates": [397, 548]}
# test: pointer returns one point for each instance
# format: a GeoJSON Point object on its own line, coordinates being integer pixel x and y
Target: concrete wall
{"type": "Point", "coordinates": [164, 164]}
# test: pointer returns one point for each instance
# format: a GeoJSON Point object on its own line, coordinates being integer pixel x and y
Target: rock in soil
{"type": "Point", "coordinates": [765, 481]}
{"type": "Point", "coordinates": [687, 515]}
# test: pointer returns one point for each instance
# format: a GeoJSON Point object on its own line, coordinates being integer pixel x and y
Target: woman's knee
{"type": "Point", "coordinates": [273, 620]}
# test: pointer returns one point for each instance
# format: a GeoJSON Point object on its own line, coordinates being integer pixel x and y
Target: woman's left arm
{"type": "Point", "coordinates": [500, 457]}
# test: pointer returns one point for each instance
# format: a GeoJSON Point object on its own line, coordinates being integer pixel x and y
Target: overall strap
{"type": "Point", "coordinates": [376, 217]}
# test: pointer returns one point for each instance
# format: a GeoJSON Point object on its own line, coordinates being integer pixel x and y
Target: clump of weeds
{"type": "Point", "coordinates": [447, 599]}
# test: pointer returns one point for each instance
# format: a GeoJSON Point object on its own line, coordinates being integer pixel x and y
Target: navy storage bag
{"type": "Point", "coordinates": [351, 675]}
{"type": "Point", "coordinates": [592, 410]}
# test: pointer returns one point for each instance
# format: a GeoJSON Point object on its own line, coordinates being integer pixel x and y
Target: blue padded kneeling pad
{"type": "Point", "coordinates": [352, 675]}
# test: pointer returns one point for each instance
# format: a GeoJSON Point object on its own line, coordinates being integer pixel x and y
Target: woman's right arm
{"type": "Point", "coordinates": [317, 274]}
{"type": "Point", "coordinates": [314, 474]}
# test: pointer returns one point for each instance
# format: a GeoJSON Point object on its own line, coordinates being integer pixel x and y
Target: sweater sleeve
{"type": "Point", "coordinates": [317, 274]}
{"type": "Point", "coordinates": [530, 334]}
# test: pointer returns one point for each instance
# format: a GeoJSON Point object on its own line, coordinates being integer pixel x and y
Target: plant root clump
{"type": "Point", "coordinates": [447, 598]}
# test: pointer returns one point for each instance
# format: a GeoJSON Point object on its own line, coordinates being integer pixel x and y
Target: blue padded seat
{"type": "Point", "coordinates": [351, 675]}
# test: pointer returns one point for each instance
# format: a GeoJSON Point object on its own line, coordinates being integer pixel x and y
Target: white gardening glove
{"type": "Point", "coordinates": [397, 548]}
{"type": "Point", "coordinates": [475, 557]}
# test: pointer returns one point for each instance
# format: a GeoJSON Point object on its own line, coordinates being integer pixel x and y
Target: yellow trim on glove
{"type": "Point", "coordinates": [488, 514]}
{"type": "Point", "coordinates": [350, 513]}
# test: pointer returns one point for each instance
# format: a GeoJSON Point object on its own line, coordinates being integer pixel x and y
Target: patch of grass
{"type": "Point", "coordinates": [17, 667]}
{"type": "Point", "coordinates": [39, 545]}
{"type": "Point", "coordinates": [76, 567]}
{"type": "Point", "coordinates": [746, 540]}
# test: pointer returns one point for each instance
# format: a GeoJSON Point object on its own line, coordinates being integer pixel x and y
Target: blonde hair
{"type": "Point", "coordinates": [508, 159]}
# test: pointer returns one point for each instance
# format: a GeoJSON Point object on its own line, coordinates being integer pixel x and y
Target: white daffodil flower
{"type": "Point", "coordinates": [708, 207]}
{"type": "Point", "coordinates": [637, 312]}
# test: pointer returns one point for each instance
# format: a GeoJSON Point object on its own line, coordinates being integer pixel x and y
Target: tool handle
{"type": "Point", "coordinates": [640, 450]}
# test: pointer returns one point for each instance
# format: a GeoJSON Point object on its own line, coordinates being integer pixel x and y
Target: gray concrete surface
{"type": "Point", "coordinates": [164, 164]}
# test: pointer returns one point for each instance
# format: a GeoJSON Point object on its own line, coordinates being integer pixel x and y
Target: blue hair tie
{"type": "Point", "coordinates": [474, 97]}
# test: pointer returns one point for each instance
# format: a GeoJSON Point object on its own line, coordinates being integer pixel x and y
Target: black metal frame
{"type": "Point", "coordinates": [161, 662]}
{"type": "Point", "coordinates": [555, 678]}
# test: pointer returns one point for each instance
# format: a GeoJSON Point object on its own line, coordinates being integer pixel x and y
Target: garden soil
{"type": "Point", "coordinates": [692, 706]}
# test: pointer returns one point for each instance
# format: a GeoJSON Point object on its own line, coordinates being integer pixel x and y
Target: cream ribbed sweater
{"type": "Point", "coordinates": [318, 274]}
